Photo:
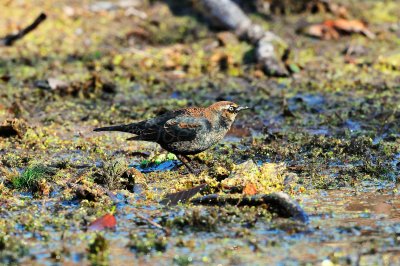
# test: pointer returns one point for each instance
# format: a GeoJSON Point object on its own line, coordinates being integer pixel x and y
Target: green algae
{"type": "Point", "coordinates": [32, 178]}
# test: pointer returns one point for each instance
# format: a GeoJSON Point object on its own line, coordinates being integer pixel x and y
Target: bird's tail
{"type": "Point", "coordinates": [121, 128]}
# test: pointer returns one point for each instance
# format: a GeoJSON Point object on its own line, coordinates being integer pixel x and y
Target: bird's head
{"type": "Point", "coordinates": [227, 110]}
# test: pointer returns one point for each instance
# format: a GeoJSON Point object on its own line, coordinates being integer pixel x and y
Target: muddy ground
{"type": "Point", "coordinates": [328, 135]}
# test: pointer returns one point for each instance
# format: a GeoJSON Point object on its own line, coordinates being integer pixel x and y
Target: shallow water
{"type": "Point", "coordinates": [346, 227]}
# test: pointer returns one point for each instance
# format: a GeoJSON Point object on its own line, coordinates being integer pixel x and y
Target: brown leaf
{"type": "Point", "coordinates": [106, 221]}
{"type": "Point", "coordinates": [250, 189]}
{"type": "Point", "coordinates": [322, 31]}
{"type": "Point", "coordinates": [350, 26]}
{"type": "Point", "coordinates": [331, 29]}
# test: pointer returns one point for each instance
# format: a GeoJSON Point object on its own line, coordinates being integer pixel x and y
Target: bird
{"type": "Point", "coordinates": [186, 131]}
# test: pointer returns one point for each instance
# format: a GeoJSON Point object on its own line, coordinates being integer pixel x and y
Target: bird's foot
{"type": "Point", "coordinates": [186, 162]}
{"type": "Point", "coordinates": [192, 170]}
{"type": "Point", "coordinates": [196, 172]}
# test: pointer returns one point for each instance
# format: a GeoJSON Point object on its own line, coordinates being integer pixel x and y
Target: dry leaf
{"type": "Point", "coordinates": [250, 189]}
{"type": "Point", "coordinates": [350, 26]}
{"type": "Point", "coordinates": [331, 29]}
{"type": "Point", "coordinates": [106, 221]}
{"type": "Point", "coordinates": [322, 31]}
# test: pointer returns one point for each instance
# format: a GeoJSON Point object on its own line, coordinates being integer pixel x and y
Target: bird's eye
{"type": "Point", "coordinates": [231, 109]}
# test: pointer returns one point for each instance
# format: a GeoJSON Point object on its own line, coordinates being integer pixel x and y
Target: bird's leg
{"type": "Point", "coordinates": [185, 160]}
{"type": "Point", "coordinates": [188, 159]}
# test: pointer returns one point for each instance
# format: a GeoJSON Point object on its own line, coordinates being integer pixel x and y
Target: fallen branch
{"type": "Point", "coordinates": [270, 49]}
{"type": "Point", "coordinates": [279, 203]}
{"type": "Point", "coordinates": [157, 225]}
{"type": "Point", "coordinates": [11, 38]}
{"type": "Point", "coordinates": [182, 196]}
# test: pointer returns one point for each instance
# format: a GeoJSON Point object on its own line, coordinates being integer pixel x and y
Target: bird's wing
{"type": "Point", "coordinates": [170, 127]}
{"type": "Point", "coordinates": [184, 128]}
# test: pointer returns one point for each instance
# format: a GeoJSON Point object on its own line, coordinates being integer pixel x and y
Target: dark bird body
{"type": "Point", "coordinates": [186, 131]}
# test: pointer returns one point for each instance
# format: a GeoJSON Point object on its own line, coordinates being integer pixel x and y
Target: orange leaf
{"type": "Point", "coordinates": [250, 189]}
{"type": "Point", "coordinates": [329, 23]}
{"type": "Point", "coordinates": [350, 26]}
{"type": "Point", "coordinates": [323, 31]}
{"type": "Point", "coordinates": [106, 221]}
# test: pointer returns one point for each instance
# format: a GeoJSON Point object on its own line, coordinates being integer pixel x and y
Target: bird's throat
{"type": "Point", "coordinates": [224, 123]}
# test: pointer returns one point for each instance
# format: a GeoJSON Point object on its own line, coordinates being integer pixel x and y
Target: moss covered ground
{"type": "Point", "coordinates": [328, 135]}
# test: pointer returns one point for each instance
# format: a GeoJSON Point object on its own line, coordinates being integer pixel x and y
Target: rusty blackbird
{"type": "Point", "coordinates": [185, 131]}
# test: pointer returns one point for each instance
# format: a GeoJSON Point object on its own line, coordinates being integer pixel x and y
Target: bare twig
{"type": "Point", "coordinates": [149, 221]}
{"type": "Point", "coordinates": [11, 38]}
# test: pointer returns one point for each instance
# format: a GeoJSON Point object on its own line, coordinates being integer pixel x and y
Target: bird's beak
{"type": "Point", "coordinates": [241, 108]}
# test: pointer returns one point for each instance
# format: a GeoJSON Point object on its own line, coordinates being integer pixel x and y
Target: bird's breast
{"type": "Point", "coordinates": [204, 139]}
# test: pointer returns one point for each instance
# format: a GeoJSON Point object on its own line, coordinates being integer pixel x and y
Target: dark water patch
{"type": "Point", "coordinates": [25, 195]}
{"type": "Point", "coordinates": [352, 125]}
{"type": "Point", "coordinates": [70, 203]}
{"type": "Point", "coordinates": [396, 162]}
{"type": "Point", "coordinates": [313, 103]}
{"type": "Point", "coordinates": [319, 131]}
{"type": "Point", "coordinates": [164, 166]}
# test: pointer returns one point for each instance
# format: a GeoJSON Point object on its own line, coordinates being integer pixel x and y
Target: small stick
{"type": "Point", "coordinates": [11, 38]}
{"type": "Point", "coordinates": [148, 220]}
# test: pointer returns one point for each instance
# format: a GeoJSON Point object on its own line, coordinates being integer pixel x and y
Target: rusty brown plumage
{"type": "Point", "coordinates": [185, 131]}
